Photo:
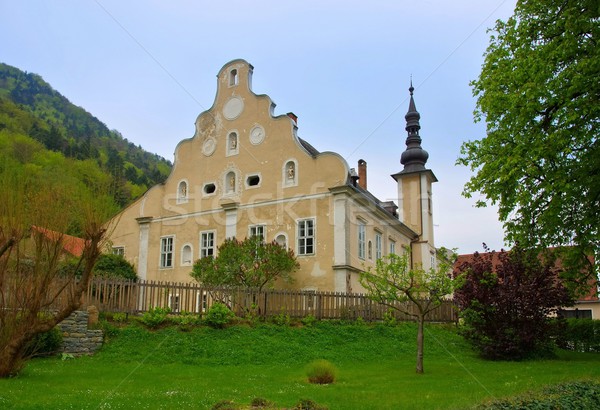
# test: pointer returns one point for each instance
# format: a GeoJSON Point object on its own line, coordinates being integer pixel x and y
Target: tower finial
{"type": "Point", "coordinates": [414, 157]}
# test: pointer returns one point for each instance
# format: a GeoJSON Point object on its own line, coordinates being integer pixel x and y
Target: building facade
{"type": "Point", "coordinates": [246, 172]}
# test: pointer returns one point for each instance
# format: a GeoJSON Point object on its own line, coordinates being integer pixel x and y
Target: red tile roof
{"type": "Point", "coordinates": [71, 244]}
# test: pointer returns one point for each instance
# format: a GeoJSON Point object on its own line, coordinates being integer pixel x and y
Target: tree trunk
{"type": "Point", "coordinates": [420, 322]}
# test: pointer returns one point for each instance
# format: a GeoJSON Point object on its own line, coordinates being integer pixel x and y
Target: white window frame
{"type": "Point", "coordinates": [167, 252]}
{"type": "Point", "coordinates": [201, 301]}
{"type": "Point", "coordinates": [302, 240]}
{"type": "Point", "coordinates": [362, 239]}
{"type": "Point", "coordinates": [118, 250]}
{"type": "Point", "coordinates": [212, 246]}
{"type": "Point", "coordinates": [378, 245]}
{"type": "Point", "coordinates": [392, 246]}
{"type": "Point", "coordinates": [253, 230]}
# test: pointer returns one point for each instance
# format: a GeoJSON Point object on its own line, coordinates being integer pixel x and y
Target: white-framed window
{"type": "Point", "coordinates": [306, 236]}
{"type": "Point", "coordinates": [257, 230]}
{"type": "Point", "coordinates": [174, 303]}
{"type": "Point", "coordinates": [186, 255]}
{"type": "Point", "coordinates": [378, 246]}
{"type": "Point", "coordinates": [362, 235]}
{"type": "Point", "coordinates": [392, 247]}
{"type": "Point", "coordinates": [182, 192]}
{"type": "Point", "coordinates": [166, 252]}
{"type": "Point", "coordinates": [118, 250]}
{"type": "Point", "coordinates": [290, 173]}
{"type": "Point", "coordinates": [207, 244]}
{"type": "Point", "coordinates": [253, 180]}
{"type": "Point", "coordinates": [233, 143]}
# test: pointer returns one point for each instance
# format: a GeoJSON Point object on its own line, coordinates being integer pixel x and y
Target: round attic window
{"type": "Point", "coordinates": [233, 108]}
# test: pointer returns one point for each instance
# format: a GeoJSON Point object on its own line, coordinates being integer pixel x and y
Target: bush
{"type": "Point", "coordinates": [259, 403]}
{"type": "Point", "coordinates": [321, 372]}
{"type": "Point", "coordinates": [307, 404]}
{"type": "Point", "coordinates": [45, 344]}
{"type": "Point", "coordinates": [155, 317]}
{"type": "Point", "coordinates": [282, 319]}
{"type": "Point", "coordinates": [185, 320]}
{"type": "Point", "coordinates": [218, 315]}
{"type": "Point", "coordinates": [580, 335]}
{"type": "Point", "coordinates": [119, 317]}
{"type": "Point", "coordinates": [309, 320]}
{"type": "Point", "coordinates": [574, 395]}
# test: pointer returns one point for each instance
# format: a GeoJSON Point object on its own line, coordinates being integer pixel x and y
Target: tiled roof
{"type": "Point", "coordinates": [71, 244]}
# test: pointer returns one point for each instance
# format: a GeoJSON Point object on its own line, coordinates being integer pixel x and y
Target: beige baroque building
{"type": "Point", "coordinates": [247, 172]}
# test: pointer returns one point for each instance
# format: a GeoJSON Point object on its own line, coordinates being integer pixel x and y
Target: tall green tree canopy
{"type": "Point", "coordinates": [539, 94]}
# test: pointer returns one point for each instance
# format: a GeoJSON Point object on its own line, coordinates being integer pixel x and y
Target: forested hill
{"type": "Point", "coordinates": [35, 118]}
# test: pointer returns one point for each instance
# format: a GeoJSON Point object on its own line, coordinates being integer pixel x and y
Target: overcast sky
{"type": "Point", "coordinates": [148, 69]}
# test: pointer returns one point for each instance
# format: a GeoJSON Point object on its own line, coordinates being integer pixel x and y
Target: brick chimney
{"type": "Point", "coordinates": [294, 117]}
{"type": "Point", "coordinates": [362, 174]}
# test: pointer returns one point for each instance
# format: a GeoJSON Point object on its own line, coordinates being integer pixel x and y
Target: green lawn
{"type": "Point", "coordinates": [172, 369]}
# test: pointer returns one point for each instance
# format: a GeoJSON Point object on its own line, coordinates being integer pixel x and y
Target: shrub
{"type": "Point", "coordinates": [155, 317]}
{"type": "Point", "coordinates": [573, 395]}
{"type": "Point", "coordinates": [259, 402]}
{"type": "Point", "coordinates": [119, 317]}
{"type": "Point", "coordinates": [218, 315]}
{"type": "Point", "coordinates": [185, 320]}
{"type": "Point", "coordinates": [45, 344]}
{"type": "Point", "coordinates": [389, 319]}
{"type": "Point", "coordinates": [225, 405]}
{"type": "Point", "coordinates": [282, 319]}
{"type": "Point", "coordinates": [321, 372]}
{"type": "Point", "coordinates": [309, 320]}
{"type": "Point", "coordinates": [307, 404]}
{"type": "Point", "coordinates": [581, 335]}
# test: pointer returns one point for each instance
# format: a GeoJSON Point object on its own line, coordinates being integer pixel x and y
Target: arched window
{"type": "Point", "coordinates": [233, 77]}
{"type": "Point", "coordinates": [182, 192]}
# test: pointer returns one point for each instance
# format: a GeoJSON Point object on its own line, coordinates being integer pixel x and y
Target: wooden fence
{"type": "Point", "coordinates": [138, 297]}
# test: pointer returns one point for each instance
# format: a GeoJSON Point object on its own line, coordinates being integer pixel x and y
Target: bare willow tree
{"type": "Point", "coordinates": [412, 291]}
{"type": "Point", "coordinates": [36, 292]}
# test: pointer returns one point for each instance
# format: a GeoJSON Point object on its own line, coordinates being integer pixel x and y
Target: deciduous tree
{"type": "Point", "coordinates": [395, 284]}
{"type": "Point", "coordinates": [249, 263]}
{"type": "Point", "coordinates": [35, 294]}
{"type": "Point", "coordinates": [507, 300]}
{"type": "Point", "coordinates": [539, 94]}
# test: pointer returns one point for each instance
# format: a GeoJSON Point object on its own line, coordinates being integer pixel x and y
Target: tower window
{"type": "Point", "coordinates": [233, 77]}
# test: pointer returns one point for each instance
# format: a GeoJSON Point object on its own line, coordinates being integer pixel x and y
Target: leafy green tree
{"type": "Point", "coordinates": [412, 291]}
{"type": "Point", "coordinates": [249, 263]}
{"type": "Point", "coordinates": [506, 301]}
{"type": "Point", "coordinates": [539, 94]}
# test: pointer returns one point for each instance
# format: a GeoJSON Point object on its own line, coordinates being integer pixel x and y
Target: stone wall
{"type": "Point", "coordinates": [77, 338]}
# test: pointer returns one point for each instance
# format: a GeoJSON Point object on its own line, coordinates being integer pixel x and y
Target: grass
{"type": "Point", "coordinates": [194, 370]}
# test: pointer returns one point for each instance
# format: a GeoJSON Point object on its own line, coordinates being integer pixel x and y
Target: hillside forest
{"type": "Point", "coordinates": [44, 136]}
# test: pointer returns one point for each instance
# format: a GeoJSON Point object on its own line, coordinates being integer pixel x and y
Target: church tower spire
{"type": "Point", "coordinates": [414, 157]}
{"type": "Point", "coordinates": [415, 205]}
